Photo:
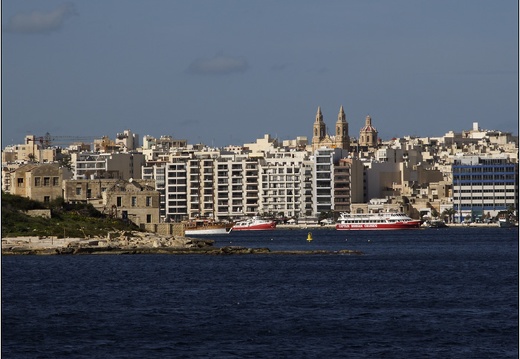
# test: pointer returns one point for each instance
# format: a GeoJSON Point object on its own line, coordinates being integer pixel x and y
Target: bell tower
{"type": "Point", "coordinates": [342, 137]}
{"type": "Point", "coordinates": [319, 131]}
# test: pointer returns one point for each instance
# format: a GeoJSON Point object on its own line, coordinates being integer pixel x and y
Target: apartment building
{"type": "Point", "coordinates": [156, 171]}
{"type": "Point", "coordinates": [238, 188]}
{"type": "Point", "coordinates": [285, 181]}
{"type": "Point", "coordinates": [127, 140]}
{"type": "Point", "coordinates": [483, 185]}
{"type": "Point", "coordinates": [324, 162]}
{"type": "Point", "coordinates": [107, 165]}
{"type": "Point", "coordinates": [32, 150]}
{"type": "Point", "coordinates": [348, 184]}
{"type": "Point", "coordinates": [229, 186]}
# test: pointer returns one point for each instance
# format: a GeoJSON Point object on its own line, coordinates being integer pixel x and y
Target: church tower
{"type": "Point", "coordinates": [342, 138]}
{"type": "Point", "coordinates": [368, 134]}
{"type": "Point", "coordinates": [319, 132]}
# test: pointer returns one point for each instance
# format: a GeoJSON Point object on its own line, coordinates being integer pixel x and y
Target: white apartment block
{"type": "Point", "coordinates": [285, 182]}
{"type": "Point", "coordinates": [127, 140]}
{"type": "Point", "coordinates": [229, 186]}
{"type": "Point", "coordinates": [107, 165]}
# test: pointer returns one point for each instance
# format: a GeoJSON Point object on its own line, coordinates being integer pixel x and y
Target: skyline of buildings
{"type": "Point", "coordinates": [293, 178]}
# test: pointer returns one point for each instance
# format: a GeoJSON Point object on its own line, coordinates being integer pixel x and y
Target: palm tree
{"type": "Point", "coordinates": [448, 212]}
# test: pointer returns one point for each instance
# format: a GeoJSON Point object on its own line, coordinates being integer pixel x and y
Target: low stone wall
{"type": "Point", "coordinates": [45, 213]}
{"type": "Point", "coordinates": [165, 229]}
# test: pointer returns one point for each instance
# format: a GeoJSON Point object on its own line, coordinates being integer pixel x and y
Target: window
{"type": "Point", "coordinates": [20, 182]}
{"type": "Point", "coordinates": [46, 181]}
{"type": "Point", "coordinates": [148, 218]}
{"type": "Point", "coordinates": [46, 199]}
{"type": "Point", "coordinates": [134, 201]}
{"type": "Point", "coordinates": [148, 201]}
{"type": "Point", "coordinates": [55, 181]}
{"type": "Point", "coordinates": [118, 201]}
{"type": "Point", "coordinates": [78, 191]}
{"type": "Point", "coordinates": [37, 181]}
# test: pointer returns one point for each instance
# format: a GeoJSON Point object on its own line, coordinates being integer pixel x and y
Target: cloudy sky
{"type": "Point", "coordinates": [229, 71]}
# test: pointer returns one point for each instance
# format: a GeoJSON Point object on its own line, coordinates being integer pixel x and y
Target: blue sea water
{"type": "Point", "coordinates": [446, 293]}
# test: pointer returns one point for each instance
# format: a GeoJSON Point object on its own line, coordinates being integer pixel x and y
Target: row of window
{"type": "Point", "coordinates": [490, 177]}
{"type": "Point", "coordinates": [133, 201]}
{"type": "Point", "coordinates": [488, 183]}
{"type": "Point", "coordinates": [45, 181]}
{"type": "Point", "coordinates": [495, 190]}
{"type": "Point", "coordinates": [482, 169]}
{"type": "Point", "coordinates": [478, 198]}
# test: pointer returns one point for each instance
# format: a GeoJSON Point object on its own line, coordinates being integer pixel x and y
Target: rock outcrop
{"type": "Point", "coordinates": [134, 243]}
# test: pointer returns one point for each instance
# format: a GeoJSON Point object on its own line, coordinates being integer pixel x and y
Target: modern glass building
{"type": "Point", "coordinates": [484, 186]}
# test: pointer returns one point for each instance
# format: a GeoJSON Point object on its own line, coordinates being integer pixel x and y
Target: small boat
{"type": "Point", "coordinates": [437, 223]}
{"type": "Point", "coordinates": [376, 221]}
{"type": "Point", "coordinates": [254, 224]}
{"type": "Point", "coordinates": [505, 223]}
{"type": "Point", "coordinates": [204, 227]}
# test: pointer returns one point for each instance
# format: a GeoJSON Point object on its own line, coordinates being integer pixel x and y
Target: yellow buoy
{"type": "Point", "coordinates": [309, 236]}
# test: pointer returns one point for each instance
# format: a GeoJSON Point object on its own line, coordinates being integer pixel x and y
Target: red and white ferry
{"type": "Point", "coordinates": [376, 221]}
{"type": "Point", "coordinates": [254, 224]}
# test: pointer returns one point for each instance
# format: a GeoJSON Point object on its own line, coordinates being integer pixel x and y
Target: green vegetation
{"type": "Point", "coordinates": [67, 219]}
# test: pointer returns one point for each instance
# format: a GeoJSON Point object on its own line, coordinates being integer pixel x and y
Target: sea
{"type": "Point", "coordinates": [426, 293]}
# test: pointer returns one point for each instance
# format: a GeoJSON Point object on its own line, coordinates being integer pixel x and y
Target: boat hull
{"type": "Point", "coordinates": [255, 227]}
{"type": "Point", "coordinates": [206, 231]}
{"type": "Point", "coordinates": [505, 224]}
{"type": "Point", "coordinates": [377, 226]}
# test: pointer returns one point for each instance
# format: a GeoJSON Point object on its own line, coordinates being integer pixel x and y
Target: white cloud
{"type": "Point", "coordinates": [39, 21]}
{"type": "Point", "coordinates": [218, 65]}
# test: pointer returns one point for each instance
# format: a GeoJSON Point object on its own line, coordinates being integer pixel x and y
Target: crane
{"type": "Point", "coordinates": [48, 140]}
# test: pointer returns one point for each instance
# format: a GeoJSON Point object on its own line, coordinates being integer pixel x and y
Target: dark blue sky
{"type": "Point", "coordinates": [228, 72]}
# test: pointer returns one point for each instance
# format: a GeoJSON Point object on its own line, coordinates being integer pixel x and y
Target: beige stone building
{"type": "Point", "coordinates": [136, 200]}
{"type": "Point", "coordinates": [348, 184]}
{"type": "Point", "coordinates": [32, 150]}
{"type": "Point", "coordinates": [40, 182]}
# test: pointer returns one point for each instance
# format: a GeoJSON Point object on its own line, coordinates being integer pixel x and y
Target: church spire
{"type": "Point", "coordinates": [341, 115]}
{"type": "Point", "coordinates": [319, 116]}
{"type": "Point", "coordinates": [319, 130]}
{"type": "Point", "coordinates": [342, 137]}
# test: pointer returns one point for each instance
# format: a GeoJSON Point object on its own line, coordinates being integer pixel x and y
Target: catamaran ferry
{"type": "Point", "coordinates": [375, 221]}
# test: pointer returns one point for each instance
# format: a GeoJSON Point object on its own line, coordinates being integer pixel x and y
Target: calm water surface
{"type": "Point", "coordinates": [449, 293]}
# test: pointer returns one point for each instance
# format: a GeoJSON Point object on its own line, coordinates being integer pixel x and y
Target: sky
{"type": "Point", "coordinates": [228, 72]}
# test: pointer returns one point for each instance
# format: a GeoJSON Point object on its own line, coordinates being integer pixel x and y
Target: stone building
{"type": "Point", "coordinates": [32, 150]}
{"type": "Point", "coordinates": [348, 184]}
{"type": "Point", "coordinates": [39, 182]}
{"type": "Point", "coordinates": [135, 200]}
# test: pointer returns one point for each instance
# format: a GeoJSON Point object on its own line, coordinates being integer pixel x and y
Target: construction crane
{"type": "Point", "coordinates": [48, 140]}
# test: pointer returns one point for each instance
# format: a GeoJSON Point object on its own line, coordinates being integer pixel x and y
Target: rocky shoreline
{"type": "Point", "coordinates": [119, 243]}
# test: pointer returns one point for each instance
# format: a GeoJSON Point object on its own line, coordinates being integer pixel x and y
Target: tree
{"type": "Point", "coordinates": [449, 213]}
{"type": "Point", "coordinates": [64, 161]}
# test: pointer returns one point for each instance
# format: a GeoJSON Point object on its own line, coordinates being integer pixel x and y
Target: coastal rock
{"type": "Point", "coordinates": [138, 243]}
